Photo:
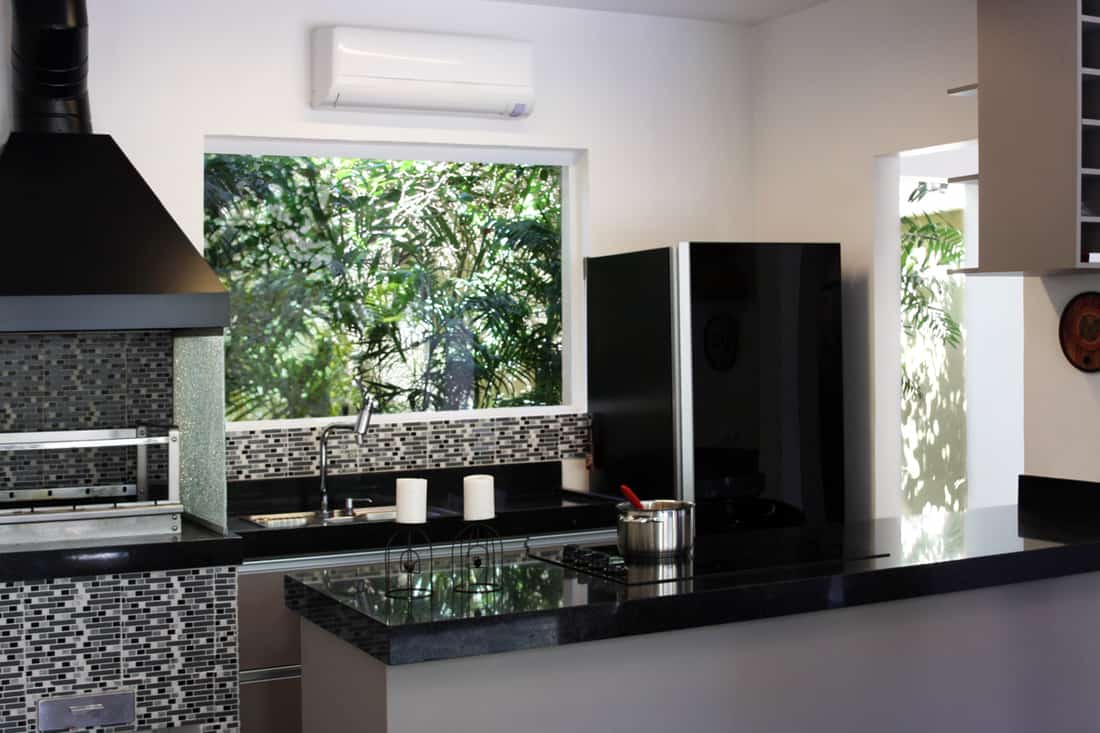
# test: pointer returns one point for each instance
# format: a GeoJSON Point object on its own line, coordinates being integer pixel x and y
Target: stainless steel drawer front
{"type": "Point", "coordinates": [84, 711]}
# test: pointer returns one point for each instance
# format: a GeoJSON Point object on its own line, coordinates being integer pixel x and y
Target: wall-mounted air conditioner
{"type": "Point", "coordinates": [398, 70]}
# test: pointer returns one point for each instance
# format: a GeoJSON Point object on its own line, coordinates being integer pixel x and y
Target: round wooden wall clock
{"type": "Point", "coordinates": [1079, 331]}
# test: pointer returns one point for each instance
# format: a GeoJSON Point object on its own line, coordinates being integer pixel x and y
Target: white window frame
{"type": "Point", "coordinates": [573, 165]}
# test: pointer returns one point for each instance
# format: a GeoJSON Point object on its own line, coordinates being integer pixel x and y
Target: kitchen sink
{"type": "Point", "coordinates": [291, 520]}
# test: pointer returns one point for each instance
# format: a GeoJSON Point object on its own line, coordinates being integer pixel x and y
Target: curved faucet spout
{"type": "Point", "coordinates": [359, 427]}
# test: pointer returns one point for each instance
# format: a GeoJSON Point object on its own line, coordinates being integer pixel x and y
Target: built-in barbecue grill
{"type": "Point", "coordinates": [89, 248]}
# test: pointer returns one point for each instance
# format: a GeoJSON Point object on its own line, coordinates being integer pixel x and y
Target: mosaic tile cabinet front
{"type": "Point", "coordinates": [168, 636]}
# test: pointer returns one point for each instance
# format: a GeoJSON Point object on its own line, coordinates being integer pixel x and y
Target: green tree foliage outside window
{"type": "Point", "coordinates": [429, 285]}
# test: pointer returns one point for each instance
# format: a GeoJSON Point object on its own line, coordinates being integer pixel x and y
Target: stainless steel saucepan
{"type": "Point", "coordinates": [661, 528]}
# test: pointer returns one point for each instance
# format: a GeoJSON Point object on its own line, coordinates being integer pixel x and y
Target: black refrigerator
{"type": "Point", "coordinates": [714, 374]}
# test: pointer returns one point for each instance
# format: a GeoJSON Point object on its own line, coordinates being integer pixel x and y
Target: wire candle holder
{"type": "Point", "coordinates": [477, 557]}
{"type": "Point", "coordinates": [409, 563]}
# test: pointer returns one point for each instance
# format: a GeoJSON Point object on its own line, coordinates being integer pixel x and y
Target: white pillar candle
{"type": "Point", "coordinates": [477, 498]}
{"type": "Point", "coordinates": [412, 500]}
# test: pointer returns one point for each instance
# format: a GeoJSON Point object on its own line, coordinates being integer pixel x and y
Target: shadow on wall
{"type": "Point", "coordinates": [934, 422]}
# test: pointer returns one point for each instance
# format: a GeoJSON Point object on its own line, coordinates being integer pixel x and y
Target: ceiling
{"type": "Point", "coordinates": [727, 11]}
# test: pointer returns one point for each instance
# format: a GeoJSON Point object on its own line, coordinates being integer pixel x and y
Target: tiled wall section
{"type": "Point", "coordinates": [170, 636]}
{"type": "Point", "coordinates": [82, 381]}
{"type": "Point", "coordinates": [396, 447]}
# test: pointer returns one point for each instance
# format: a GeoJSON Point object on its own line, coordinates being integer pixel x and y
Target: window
{"type": "Point", "coordinates": [431, 285]}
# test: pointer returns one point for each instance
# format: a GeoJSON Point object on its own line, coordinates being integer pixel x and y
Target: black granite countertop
{"type": "Point", "coordinates": [748, 575]}
{"type": "Point", "coordinates": [529, 500]}
{"type": "Point", "coordinates": [196, 546]}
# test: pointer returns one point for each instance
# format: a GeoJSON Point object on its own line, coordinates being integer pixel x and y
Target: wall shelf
{"type": "Point", "coordinates": [966, 90]}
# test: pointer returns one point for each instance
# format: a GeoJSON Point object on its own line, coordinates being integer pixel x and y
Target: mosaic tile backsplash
{"type": "Point", "coordinates": [82, 381]}
{"type": "Point", "coordinates": [170, 636]}
{"type": "Point", "coordinates": [254, 454]}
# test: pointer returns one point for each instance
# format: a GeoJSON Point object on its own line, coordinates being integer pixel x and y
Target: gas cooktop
{"type": "Point", "coordinates": [716, 555]}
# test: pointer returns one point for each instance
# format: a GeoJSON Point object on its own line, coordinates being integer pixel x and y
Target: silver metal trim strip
{"type": "Point", "coordinates": [11, 446]}
{"type": "Point", "coordinates": [174, 465]}
{"type": "Point", "coordinates": [91, 511]}
{"type": "Point", "coordinates": [269, 674]}
{"type": "Point", "coordinates": [674, 304]}
{"type": "Point", "coordinates": [312, 562]}
{"type": "Point", "coordinates": [682, 370]}
{"type": "Point", "coordinates": [55, 435]}
{"type": "Point", "coordinates": [142, 465]}
{"type": "Point", "coordinates": [8, 496]}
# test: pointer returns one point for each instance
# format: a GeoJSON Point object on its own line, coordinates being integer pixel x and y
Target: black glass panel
{"type": "Point", "coordinates": [630, 373]}
{"type": "Point", "coordinates": [766, 371]}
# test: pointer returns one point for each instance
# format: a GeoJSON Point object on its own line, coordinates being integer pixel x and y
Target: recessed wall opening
{"type": "Point", "coordinates": [933, 346]}
{"type": "Point", "coordinates": [939, 336]}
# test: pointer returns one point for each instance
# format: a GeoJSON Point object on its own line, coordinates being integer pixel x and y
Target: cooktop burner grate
{"type": "Point", "coordinates": [605, 562]}
{"type": "Point", "coordinates": [712, 556]}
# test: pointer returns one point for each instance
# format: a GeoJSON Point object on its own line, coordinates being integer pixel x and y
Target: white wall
{"type": "Point", "coordinates": [660, 105]}
{"type": "Point", "coordinates": [886, 336]}
{"type": "Point", "coordinates": [1061, 404]}
{"type": "Point", "coordinates": [833, 87]}
{"type": "Point", "coordinates": [995, 414]}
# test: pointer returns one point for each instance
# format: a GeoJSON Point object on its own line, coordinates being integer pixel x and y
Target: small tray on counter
{"type": "Point", "coordinates": [291, 520]}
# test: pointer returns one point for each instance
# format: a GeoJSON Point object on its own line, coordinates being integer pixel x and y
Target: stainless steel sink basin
{"type": "Point", "coordinates": [308, 519]}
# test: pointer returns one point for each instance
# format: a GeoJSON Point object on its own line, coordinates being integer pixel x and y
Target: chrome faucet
{"type": "Point", "coordinates": [359, 427]}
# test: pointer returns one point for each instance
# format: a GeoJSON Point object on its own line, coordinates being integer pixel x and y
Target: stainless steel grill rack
{"type": "Point", "coordinates": [127, 509]}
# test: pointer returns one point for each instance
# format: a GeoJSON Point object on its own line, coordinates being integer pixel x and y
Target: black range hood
{"type": "Point", "coordinates": [89, 245]}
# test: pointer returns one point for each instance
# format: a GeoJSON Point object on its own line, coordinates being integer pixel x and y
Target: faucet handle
{"type": "Point", "coordinates": [349, 503]}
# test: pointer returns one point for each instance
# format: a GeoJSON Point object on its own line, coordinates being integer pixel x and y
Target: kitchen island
{"type": "Point", "coordinates": [901, 647]}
